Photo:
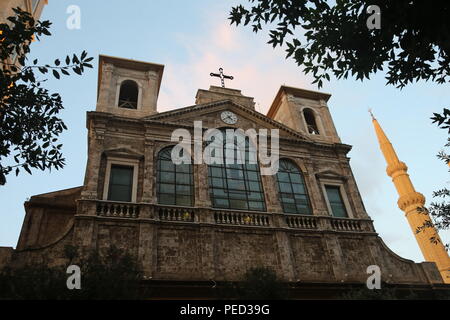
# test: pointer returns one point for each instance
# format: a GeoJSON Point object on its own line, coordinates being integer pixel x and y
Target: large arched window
{"type": "Point", "coordinates": [291, 186]}
{"type": "Point", "coordinates": [310, 120]}
{"type": "Point", "coordinates": [236, 184]}
{"type": "Point", "coordinates": [175, 184]}
{"type": "Point", "coordinates": [128, 96]}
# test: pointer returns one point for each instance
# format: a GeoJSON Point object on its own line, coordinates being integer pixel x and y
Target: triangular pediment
{"type": "Point", "coordinates": [210, 113]}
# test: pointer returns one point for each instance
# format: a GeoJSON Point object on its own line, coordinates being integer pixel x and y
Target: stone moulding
{"type": "Point", "coordinates": [222, 217]}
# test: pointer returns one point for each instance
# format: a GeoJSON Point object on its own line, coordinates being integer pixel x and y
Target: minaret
{"type": "Point", "coordinates": [409, 200]}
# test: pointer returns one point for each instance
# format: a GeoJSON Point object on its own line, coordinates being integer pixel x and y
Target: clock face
{"type": "Point", "coordinates": [228, 117]}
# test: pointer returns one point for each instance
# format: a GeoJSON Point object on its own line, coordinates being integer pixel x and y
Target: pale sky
{"type": "Point", "coordinates": [194, 38]}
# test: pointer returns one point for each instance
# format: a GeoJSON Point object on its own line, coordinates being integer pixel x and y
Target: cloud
{"type": "Point", "coordinates": [258, 69]}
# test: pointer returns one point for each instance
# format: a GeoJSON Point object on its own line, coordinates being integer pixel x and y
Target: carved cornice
{"type": "Point", "coordinates": [151, 75]}
{"type": "Point", "coordinates": [415, 199]}
{"type": "Point", "coordinates": [394, 169]}
{"type": "Point", "coordinates": [123, 153]}
{"type": "Point", "coordinates": [330, 174]}
{"type": "Point", "coordinates": [158, 119]}
{"type": "Point", "coordinates": [108, 67]}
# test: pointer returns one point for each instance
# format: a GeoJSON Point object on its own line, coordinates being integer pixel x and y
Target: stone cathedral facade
{"type": "Point", "coordinates": [192, 225]}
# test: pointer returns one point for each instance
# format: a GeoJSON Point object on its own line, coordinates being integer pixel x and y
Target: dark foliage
{"type": "Point", "coordinates": [114, 275]}
{"type": "Point", "coordinates": [29, 122]}
{"type": "Point", "coordinates": [332, 38]}
{"type": "Point", "coordinates": [258, 283]}
{"type": "Point", "coordinates": [393, 293]}
{"type": "Point", "coordinates": [440, 210]}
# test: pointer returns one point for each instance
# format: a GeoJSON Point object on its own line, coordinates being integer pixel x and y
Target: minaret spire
{"type": "Point", "coordinates": [409, 201]}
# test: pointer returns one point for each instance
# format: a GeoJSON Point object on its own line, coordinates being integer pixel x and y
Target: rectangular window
{"type": "Point", "coordinates": [120, 183]}
{"type": "Point", "coordinates": [336, 202]}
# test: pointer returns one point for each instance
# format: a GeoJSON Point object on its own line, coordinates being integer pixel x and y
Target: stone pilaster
{"type": "Point", "coordinates": [148, 193]}
{"type": "Point", "coordinates": [201, 184]}
{"type": "Point", "coordinates": [285, 255]}
{"type": "Point", "coordinates": [147, 248]}
{"type": "Point", "coordinates": [314, 191]}
{"type": "Point", "coordinates": [354, 196]}
{"type": "Point", "coordinates": [105, 87]}
{"type": "Point", "coordinates": [207, 240]}
{"type": "Point", "coordinates": [271, 193]}
{"type": "Point", "coordinates": [95, 150]}
{"type": "Point", "coordinates": [150, 95]}
{"type": "Point", "coordinates": [335, 254]}
{"type": "Point", "coordinates": [84, 235]}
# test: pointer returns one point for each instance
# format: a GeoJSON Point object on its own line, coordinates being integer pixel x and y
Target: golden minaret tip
{"type": "Point", "coordinates": [371, 114]}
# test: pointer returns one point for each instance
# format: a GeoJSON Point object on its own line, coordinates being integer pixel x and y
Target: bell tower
{"type": "Point", "coordinates": [304, 111]}
{"type": "Point", "coordinates": [128, 87]}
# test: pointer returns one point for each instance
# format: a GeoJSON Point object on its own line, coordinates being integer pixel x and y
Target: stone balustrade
{"type": "Point", "coordinates": [224, 217]}
{"type": "Point", "coordinates": [301, 222]}
{"type": "Point", "coordinates": [117, 209]}
{"type": "Point", "coordinates": [242, 218]}
{"type": "Point", "coordinates": [173, 213]}
{"type": "Point", "coordinates": [346, 225]}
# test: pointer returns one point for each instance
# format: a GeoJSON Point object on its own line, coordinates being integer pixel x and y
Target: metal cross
{"type": "Point", "coordinates": [221, 76]}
